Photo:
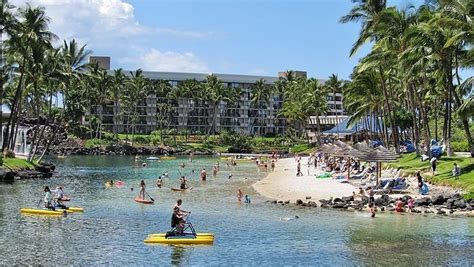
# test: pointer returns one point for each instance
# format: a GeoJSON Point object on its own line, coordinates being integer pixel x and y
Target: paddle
{"type": "Point", "coordinates": [149, 196]}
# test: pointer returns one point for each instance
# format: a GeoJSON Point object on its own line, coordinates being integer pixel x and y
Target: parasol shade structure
{"type": "Point", "coordinates": [379, 155]}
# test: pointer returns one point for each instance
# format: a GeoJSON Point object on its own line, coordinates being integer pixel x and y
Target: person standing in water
{"type": "Point", "coordinates": [240, 195]}
{"type": "Point", "coordinates": [214, 170]}
{"type": "Point", "coordinates": [203, 175]}
{"type": "Point", "coordinates": [142, 190]}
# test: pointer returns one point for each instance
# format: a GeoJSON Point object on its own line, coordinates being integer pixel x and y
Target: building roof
{"type": "Point", "coordinates": [181, 76]}
{"type": "Point", "coordinates": [363, 124]}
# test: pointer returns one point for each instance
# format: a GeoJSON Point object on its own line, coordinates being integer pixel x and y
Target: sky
{"type": "Point", "coordinates": [254, 37]}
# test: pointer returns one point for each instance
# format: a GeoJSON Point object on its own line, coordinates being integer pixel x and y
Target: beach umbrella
{"type": "Point", "coordinates": [350, 152]}
{"type": "Point", "coordinates": [379, 155]}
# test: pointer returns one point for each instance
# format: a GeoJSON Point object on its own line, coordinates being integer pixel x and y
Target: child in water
{"type": "Point", "coordinates": [247, 199]}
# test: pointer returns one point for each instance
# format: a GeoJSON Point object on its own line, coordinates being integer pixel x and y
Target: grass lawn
{"type": "Point", "coordinates": [16, 164]}
{"type": "Point", "coordinates": [410, 163]}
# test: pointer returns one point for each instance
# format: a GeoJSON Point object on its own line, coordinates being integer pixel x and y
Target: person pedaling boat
{"type": "Point", "coordinates": [48, 198]}
{"type": "Point", "coordinates": [58, 198]}
{"type": "Point", "coordinates": [178, 220]}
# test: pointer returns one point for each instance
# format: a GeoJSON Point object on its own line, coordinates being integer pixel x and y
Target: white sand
{"type": "Point", "coordinates": [283, 184]}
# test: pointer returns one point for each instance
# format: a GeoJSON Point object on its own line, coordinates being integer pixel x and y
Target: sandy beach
{"type": "Point", "coordinates": [283, 184]}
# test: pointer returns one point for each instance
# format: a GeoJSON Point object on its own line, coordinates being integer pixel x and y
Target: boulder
{"type": "Point", "coordinates": [287, 202]}
{"type": "Point", "coordinates": [415, 211]}
{"type": "Point", "coordinates": [323, 201]}
{"type": "Point", "coordinates": [348, 199]}
{"type": "Point", "coordinates": [428, 211]}
{"type": "Point", "coordinates": [440, 212]}
{"type": "Point", "coordinates": [438, 200]}
{"type": "Point", "coordinates": [337, 200]}
{"type": "Point", "coordinates": [299, 202]}
{"type": "Point", "coordinates": [425, 201]}
{"type": "Point", "coordinates": [280, 201]}
{"type": "Point", "coordinates": [459, 204]}
{"type": "Point", "coordinates": [338, 205]}
{"type": "Point", "coordinates": [324, 205]}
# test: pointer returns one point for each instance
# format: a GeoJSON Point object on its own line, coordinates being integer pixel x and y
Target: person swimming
{"type": "Point", "coordinates": [159, 182]}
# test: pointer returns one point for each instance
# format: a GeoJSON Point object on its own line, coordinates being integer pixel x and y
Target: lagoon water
{"type": "Point", "coordinates": [113, 227]}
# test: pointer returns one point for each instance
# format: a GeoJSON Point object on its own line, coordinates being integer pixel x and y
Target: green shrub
{"type": "Point", "coordinates": [460, 146]}
{"type": "Point", "coordinates": [97, 143]}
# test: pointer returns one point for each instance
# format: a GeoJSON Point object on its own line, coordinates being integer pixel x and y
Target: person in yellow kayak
{"type": "Point", "coordinates": [48, 198]}
{"type": "Point", "coordinates": [178, 217]}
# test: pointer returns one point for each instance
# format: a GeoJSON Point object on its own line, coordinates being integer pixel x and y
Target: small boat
{"type": "Point", "coordinates": [153, 158]}
{"type": "Point", "coordinates": [144, 201]}
{"type": "Point", "coordinates": [167, 158]}
{"type": "Point", "coordinates": [185, 239]}
{"type": "Point", "coordinates": [181, 190]}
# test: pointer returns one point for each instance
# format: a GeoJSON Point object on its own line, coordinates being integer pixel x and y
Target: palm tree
{"type": "Point", "coordinates": [366, 12]}
{"type": "Point", "coordinates": [261, 92]}
{"type": "Point", "coordinates": [214, 93]}
{"type": "Point", "coordinates": [334, 85]}
{"type": "Point", "coordinates": [136, 90]}
{"type": "Point", "coordinates": [27, 40]}
{"type": "Point", "coordinates": [114, 92]}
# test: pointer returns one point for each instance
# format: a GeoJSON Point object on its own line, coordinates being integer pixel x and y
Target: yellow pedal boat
{"type": "Point", "coordinates": [167, 158]}
{"type": "Point", "coordinates": [56, 212]}
{"type": "Point", "coordinates": [186, 239]}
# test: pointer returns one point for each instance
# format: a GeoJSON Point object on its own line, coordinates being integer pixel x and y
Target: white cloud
{"type": "Point", "coordinates": [90, 20]}
{"type": "Point", "coordinates": [155, 60]}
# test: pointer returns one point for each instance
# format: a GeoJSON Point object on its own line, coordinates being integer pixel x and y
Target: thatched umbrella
{"type": "Point", "coordinates": [324, 148]}
{"type": "Point", "coordinates": [350, 152]}
{"type": "Point", "coordinates": [363, 147]}
{"type": "Point", "coordinates": [379, 155]}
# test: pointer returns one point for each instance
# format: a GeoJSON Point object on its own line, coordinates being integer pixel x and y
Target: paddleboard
{"type": "Point", "coordinates": [144, 201]}
{"type": "Point", "coordinates": [182, 190]}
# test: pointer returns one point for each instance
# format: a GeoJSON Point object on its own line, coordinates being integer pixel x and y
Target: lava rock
{"type": "Point", "coordinates": [425, 201]}
{"type": "Point", "coordinates": [338, 205]}
{"type": "Point", "coordinates": [438, 200]}
{"type": "Point", "coordinates": [348, 199]}
{"type": "Point", "coordinates": [459, 204]}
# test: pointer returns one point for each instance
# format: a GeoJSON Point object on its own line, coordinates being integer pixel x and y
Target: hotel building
{"type": "Point", "coordinates": [196, 116]}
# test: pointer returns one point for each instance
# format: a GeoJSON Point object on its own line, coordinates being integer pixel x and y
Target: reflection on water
{"type": "Point", "coordinates": [177, 254]}
{"type": "Point", "coordinates": [113, 227]}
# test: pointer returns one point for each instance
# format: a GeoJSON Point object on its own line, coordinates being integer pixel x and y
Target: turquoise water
{"type": "Point", "coordinates": [113, 228]}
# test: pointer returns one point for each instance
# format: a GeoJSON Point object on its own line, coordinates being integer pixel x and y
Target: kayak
{"type": "Point", "coordinates": [144, 201]}
{"type": "Point", "coordinates": [153, 158]}
{"type": "Point", "coordinates": [181, 190]}
{"type": "Point", "coordinates": [186, 239]}
{"type": "Point", "coordinates": [167, 158]}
